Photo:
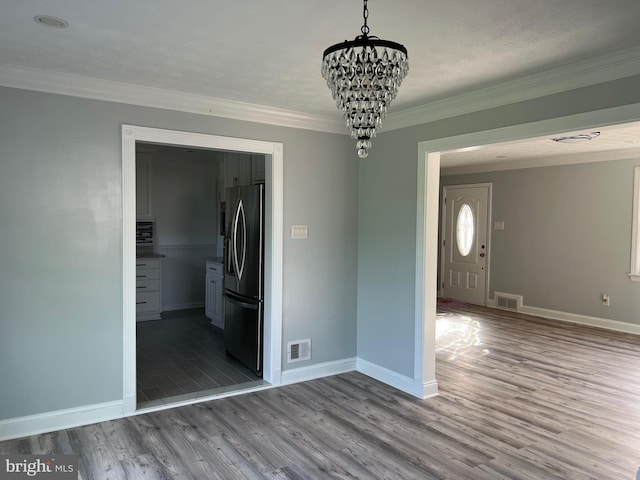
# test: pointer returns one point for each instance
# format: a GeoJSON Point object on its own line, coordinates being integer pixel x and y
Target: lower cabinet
{"type": "Point", "coordinates": [148, 289]}
{"type": "Point", "coordinates": [214, 306]}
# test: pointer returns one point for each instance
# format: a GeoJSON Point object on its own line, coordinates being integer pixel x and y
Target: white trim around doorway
{"type": "Point", "coordinates": [427, 220]}
{"type": "Point", "coordinates": [274, 242]}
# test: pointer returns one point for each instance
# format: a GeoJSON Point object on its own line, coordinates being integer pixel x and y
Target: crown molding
{"type": "Point", "coordinates": [623, 63]}
{"type": "Point", "coordinates": [600, 69]}
{"type": "Point", "coordinates": [569, 159]}
{"type": "Point", "coordinates": [112, 91]}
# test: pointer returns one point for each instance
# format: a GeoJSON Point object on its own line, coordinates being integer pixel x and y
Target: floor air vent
{"type": "Point", "coordinates": [508, 302]}
{"type": "Point", "coordinates": [299, 350]}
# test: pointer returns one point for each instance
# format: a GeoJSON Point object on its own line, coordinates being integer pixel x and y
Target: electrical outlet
{"type": "Point", "coordinates": [299, 232]}
{"type": "Point", "coordinates": [606, 299]}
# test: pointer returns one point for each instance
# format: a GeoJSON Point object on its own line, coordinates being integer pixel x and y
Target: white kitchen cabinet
{"type": "Point", "coordinates": [237, 170]}
{"type": "Point", "coordinates": [148, 289]}
{"type": "Point", "coordinates": [257, 169]}
{"type": "Point", "coordinates": [214, 305]}
{"type": "Point", "coordinates": [144, 190]}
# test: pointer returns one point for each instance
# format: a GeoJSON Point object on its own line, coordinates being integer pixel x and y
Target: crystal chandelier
{"type": "Point", "coordinates": [364, 75]}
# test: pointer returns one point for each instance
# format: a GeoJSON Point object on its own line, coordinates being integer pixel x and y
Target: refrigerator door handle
{"type": "Point", "coordinates": [234, 242]}
{"type": "Point", "coordinates": [235, 300]}
{"type": "Point", "coordinates": [241, 265]}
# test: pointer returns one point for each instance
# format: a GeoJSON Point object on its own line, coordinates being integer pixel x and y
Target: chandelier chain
{"type": "Point", "coordinates": [365, 15]}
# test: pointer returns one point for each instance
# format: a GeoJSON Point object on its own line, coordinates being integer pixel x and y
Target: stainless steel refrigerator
{"type": "Point", "coordinates": [244, 275]}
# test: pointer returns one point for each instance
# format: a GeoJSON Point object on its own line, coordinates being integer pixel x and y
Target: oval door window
{"type": "Point", "coordinates": [465, 230]}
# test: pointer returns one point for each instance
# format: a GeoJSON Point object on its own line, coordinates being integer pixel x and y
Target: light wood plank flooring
{"type": "Point", "coordinates": [182, 355]}
{"type": "Point", "coordinates": [520, 398]}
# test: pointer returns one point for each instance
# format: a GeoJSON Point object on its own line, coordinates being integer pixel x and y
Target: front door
{"type": "Point", "coordinates": [465, 248]}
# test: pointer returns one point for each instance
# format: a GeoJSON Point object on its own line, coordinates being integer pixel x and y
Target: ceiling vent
{"type": "Point", "coordinates": [49, 21]}
{"type": "Point", "coordinates": [507, 301]}
{"type": "Point", "coordinates": [299, 350]}
{"type": "Point", "coordinates": [579, 138]}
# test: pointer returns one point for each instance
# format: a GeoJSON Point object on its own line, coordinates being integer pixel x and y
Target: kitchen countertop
{"type": "Point", "coordinates": [149, 255]}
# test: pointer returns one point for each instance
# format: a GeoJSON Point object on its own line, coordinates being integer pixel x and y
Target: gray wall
{"type": "Point", "coordinates": [388, 200]}
{"type": "Point", "coordinates": [186, 210]}
{"type": "Point", "coordinates": [185, 197]}
{"type": "Point", "coordinates": [61, 244]}
{"type": "Point", "coordinates": [567, 236]}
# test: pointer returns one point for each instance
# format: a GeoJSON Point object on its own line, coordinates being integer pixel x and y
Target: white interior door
{"type": "Point", "coordinates": [465, 248]}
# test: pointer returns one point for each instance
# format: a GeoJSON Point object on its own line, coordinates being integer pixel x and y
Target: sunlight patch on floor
{"type": "Point", "coordinates": [457, 334]}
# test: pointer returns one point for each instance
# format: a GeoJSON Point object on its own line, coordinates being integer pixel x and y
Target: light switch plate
{"type": "Point", "coordinates": [498, 225]}
{"type": "Point", "coordinates": [299, 232]}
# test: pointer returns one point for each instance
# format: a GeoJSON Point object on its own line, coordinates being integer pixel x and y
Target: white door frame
{"type": "Point", "coordinates": [427, 217]}
{"type": "Point", "coordinates": [443, 219]}
{"type": "Point", "coordinates": [274, 241]}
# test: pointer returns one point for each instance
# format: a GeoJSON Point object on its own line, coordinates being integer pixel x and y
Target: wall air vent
{"type": "Point", "coordinates": [507, 301]}
{"type": "Point", "coordinates": [299, 350]}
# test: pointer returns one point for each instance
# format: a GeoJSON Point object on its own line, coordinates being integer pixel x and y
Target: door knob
{"type": "Point", "coordinates": [482, 254]}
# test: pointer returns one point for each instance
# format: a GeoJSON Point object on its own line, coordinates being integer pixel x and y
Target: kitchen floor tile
{"type": "Point", "coordinates": [184, 353]}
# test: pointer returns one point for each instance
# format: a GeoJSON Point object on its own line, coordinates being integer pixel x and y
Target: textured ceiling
{"type": "Point", "coordinates": [269, 52]}
{"type": "Point", "coordinates": [622, 139]}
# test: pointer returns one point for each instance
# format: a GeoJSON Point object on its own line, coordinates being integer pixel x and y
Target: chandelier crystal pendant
{"type": "Point", "coordinates": [364, 75]}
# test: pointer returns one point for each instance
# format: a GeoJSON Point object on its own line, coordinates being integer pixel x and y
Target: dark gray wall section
{"type": "Point", "coordinates": [185, 196]}
{"type": "Point", "coordinates": [61, 243]}
{"type": "Point", "coordinates": [567, 236]}
{"type": "Point", "coordinates": [388, 200]}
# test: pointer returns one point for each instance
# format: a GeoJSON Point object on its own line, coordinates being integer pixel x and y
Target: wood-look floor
{"type": "Point", "coordinates": [520, 398]}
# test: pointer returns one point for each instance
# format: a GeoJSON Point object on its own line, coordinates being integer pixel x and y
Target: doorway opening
{"type": "Point", "coordinates": [181, 341]}
{"type": "Point", "coordinates": [184, 314]}
{"type": "Point", "coordinates": [428, 215]}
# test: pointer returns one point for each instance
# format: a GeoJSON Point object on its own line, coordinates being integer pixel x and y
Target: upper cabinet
{"type": "Point", "coordinates": [144, 191]}
{"type": "Point", "coordinates": [237, 170]}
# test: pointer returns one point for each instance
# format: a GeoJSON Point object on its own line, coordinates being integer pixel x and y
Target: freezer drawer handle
{"type": "Point", "coordinates": [234, 300]}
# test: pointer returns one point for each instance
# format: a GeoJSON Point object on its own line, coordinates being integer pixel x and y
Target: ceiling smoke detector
{"type": "Point", "coordinates": [581, 137]}
{"type": "Point", "coordinates": [49, 21]}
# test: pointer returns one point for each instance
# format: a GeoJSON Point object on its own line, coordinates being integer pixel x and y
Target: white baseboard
{"type": "Point", "coordinates": [146, 316]}
{"type": "Point", "coordinates": [598, 322]}
{"type": "Point", "coordinates": [182, 306]}
{"type": "Point", "coordinates": [396, 380]}
{"type": "Point", "coordinates": [582, 319]}
{"type": "Point", "coordinates": [319, 370]}
{"type": "Point", "coordinates": [430, 389]}
{"type": "Point", "coordinates": [85, 415]}
{"type": "Point", "coordinates": [59, 420]}
{"type": "Point", "coordinates": [184, 246]}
